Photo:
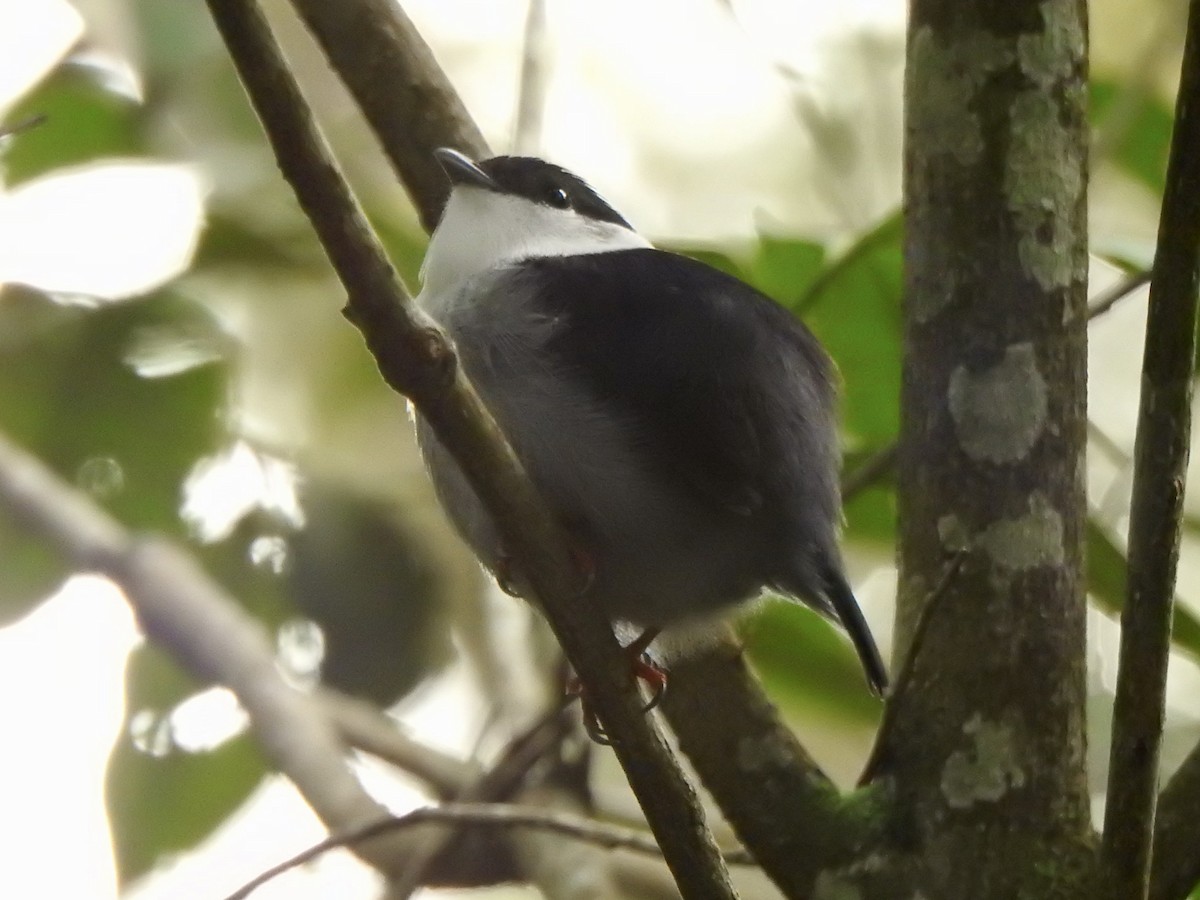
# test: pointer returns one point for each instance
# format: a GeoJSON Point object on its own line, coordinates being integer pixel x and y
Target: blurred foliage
{"type": "Point", "coordinates": [124, 399]}
{"type": "Point", "coordinates": [353, 571]}
{"type": "Point", "coordinates": [1107, 575]}
{"type": "Point", "coordinates": [1140, 127]}
{"type": "Point", "coordinates": [806, 665]}
{"type": "Point", "coordinates": [163, 799]}
{"type": "Point", "coordinates": [71, 392]}
{"type": "Point", "coordinates": [84, 121]}
{"type": "Point", "coordinates": [31, 570]}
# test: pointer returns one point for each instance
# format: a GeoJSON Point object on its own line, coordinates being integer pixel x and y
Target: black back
{"type": "Point", "coordinates": [720, 377]}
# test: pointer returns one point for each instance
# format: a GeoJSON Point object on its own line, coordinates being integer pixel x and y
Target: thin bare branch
{"type": "Point", "coordinates": [496, 815]}
{"type": "Point", "coordinates": [204, 629]}
{"type": "Point", "coordinates": [1107, 299]}
{"type": "Point", "coordinates": [881, 235]}
{"type": "Point", "coordinates": [880, 463]}
{"type": "Point", "coordinates": [531, 91]}
{"type": "Point", "coordinates": [1176, 864]}
{"type": "Point", "coordinates": [363, 726]}
{"type": "Point", "coordinates": [499, 784]}
{"type": "Point", "coordinates": [20, 127]}
{"type": "Point", "coordinates": [417, 361]}
{"type": "Point", "coordinates": [397, 83]}
{"type": "Point", "coordinates": [1160, 472]}
{"type": "Point", "coordinates": [877, 761]}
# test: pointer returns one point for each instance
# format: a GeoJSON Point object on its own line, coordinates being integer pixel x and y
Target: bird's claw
{"type": "Point", "coordinates": [642, 669]}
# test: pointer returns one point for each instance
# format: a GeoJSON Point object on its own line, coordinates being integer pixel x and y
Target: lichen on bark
{"type": "Point", "coordinates": [992, 741]}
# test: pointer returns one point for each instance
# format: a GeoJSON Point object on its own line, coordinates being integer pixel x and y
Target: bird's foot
{"type": "Point", "coordinates": [641, 669]}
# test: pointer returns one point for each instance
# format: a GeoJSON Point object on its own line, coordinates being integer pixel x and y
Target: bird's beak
{"type": "Point", "coordinates": [461, 170]}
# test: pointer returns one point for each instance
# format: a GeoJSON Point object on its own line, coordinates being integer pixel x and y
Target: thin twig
{"type": "Point", "coordinates": [874, 468]}
{"type": "Point", "coordinates": [877, 761]}
{"type": "Point", "coordinates": [879, 236]}
{"type": "Point", "coordinates": [498, 784]}
{"type": "Point", "coordinates": [417, 361]}
{"type": "Point", "coordinates": [363, 726]}
{"type": "Point", "coordinates": [531, 90]}
{"type": "Point", "coordinates": [495, 815]}
{"type": "Point", "coordinates": [1110, 297]}
{"type": "Point", "coordinates": [1160, 471]}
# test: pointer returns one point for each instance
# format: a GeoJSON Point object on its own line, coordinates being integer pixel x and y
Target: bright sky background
{"type": "Point", "coordinates": [632, 108]}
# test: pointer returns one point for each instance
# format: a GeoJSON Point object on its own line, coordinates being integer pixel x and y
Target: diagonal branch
{"type": "Point", "coordinates": [400, 89]}
{"type": "Point", "coordinates": [207, 632]}
{"type": "Point", "coordinates": [1175, 863]}
{"type": "Point", "coordinates": [417, 361]}
{"type": "Point", "coordinates": [362, 725]}
{"type": "Point", "coordinates": [204, 629]}
{"type": "Point", "coordinates": [1160, 471]}
{"type": "Point", "coordinates": [499, 784]}
{"type": "Point", "coordinates": [782, 806]}
{"type": "Point", "coordinates": [740, 696]}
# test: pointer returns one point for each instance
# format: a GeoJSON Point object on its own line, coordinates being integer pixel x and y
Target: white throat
{"type": "Point", "coordinates": [483, 230]}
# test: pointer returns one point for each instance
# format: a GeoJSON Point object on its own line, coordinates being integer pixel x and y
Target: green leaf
{"type": "Point", "coordinates": [871, 515]}
{"type": "Point", "coordinates": [853, 306]}
{"type": "Point", "coordinates": [30, 570]}
{"type": "Point", "coordinates": [166, 802]}
{"type": "Point", "coordinates": [786, 269]}
{"type": "Point", "coordinates": [805, 662]}
{"type": "Point", "coordinates": [84, 122]}
{"type": "Point", "coordinates": [370, 584]}
{"type": "Point", "coordinates": [1107, 570]}
{"type": "Point", "coordinates": [1144, 138]}
{"type": "Point", "coordinates": [228, 242]}
{"type": "Point", "coordinates": [256, 586]}
{"type": "Point", "coordinates": [94, 394]}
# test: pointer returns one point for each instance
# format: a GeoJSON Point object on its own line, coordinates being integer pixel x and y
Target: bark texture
{"type": "Point", "coordinates": [986, 748]}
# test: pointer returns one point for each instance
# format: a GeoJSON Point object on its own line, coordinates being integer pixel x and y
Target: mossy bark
{"type": "Point", "coordinates": [987, 752]}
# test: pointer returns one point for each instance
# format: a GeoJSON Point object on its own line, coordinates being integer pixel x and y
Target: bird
{"type": "Point", "coordinates": [679, 423]}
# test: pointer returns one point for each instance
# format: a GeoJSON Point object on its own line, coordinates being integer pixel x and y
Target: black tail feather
{"type": "Point", "coordinates": [842, 599]}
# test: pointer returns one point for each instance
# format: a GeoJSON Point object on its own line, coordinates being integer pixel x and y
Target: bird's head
{"type": "Point", "coordinates": [509, 208]}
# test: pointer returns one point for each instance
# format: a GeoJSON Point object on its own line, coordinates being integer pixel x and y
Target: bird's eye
{"type": "Point", "coordinates": [558, 197]}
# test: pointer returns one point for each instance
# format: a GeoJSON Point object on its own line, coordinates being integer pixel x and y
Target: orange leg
{"type": "Point", "coordinates": [641, 668]}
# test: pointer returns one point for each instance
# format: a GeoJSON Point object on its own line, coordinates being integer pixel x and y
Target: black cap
{"type": "Point", "coordinates": [531, 178]}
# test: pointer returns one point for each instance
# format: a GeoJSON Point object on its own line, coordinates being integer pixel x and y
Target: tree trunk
{"type": "Point", "coordinates": [987, 755]}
